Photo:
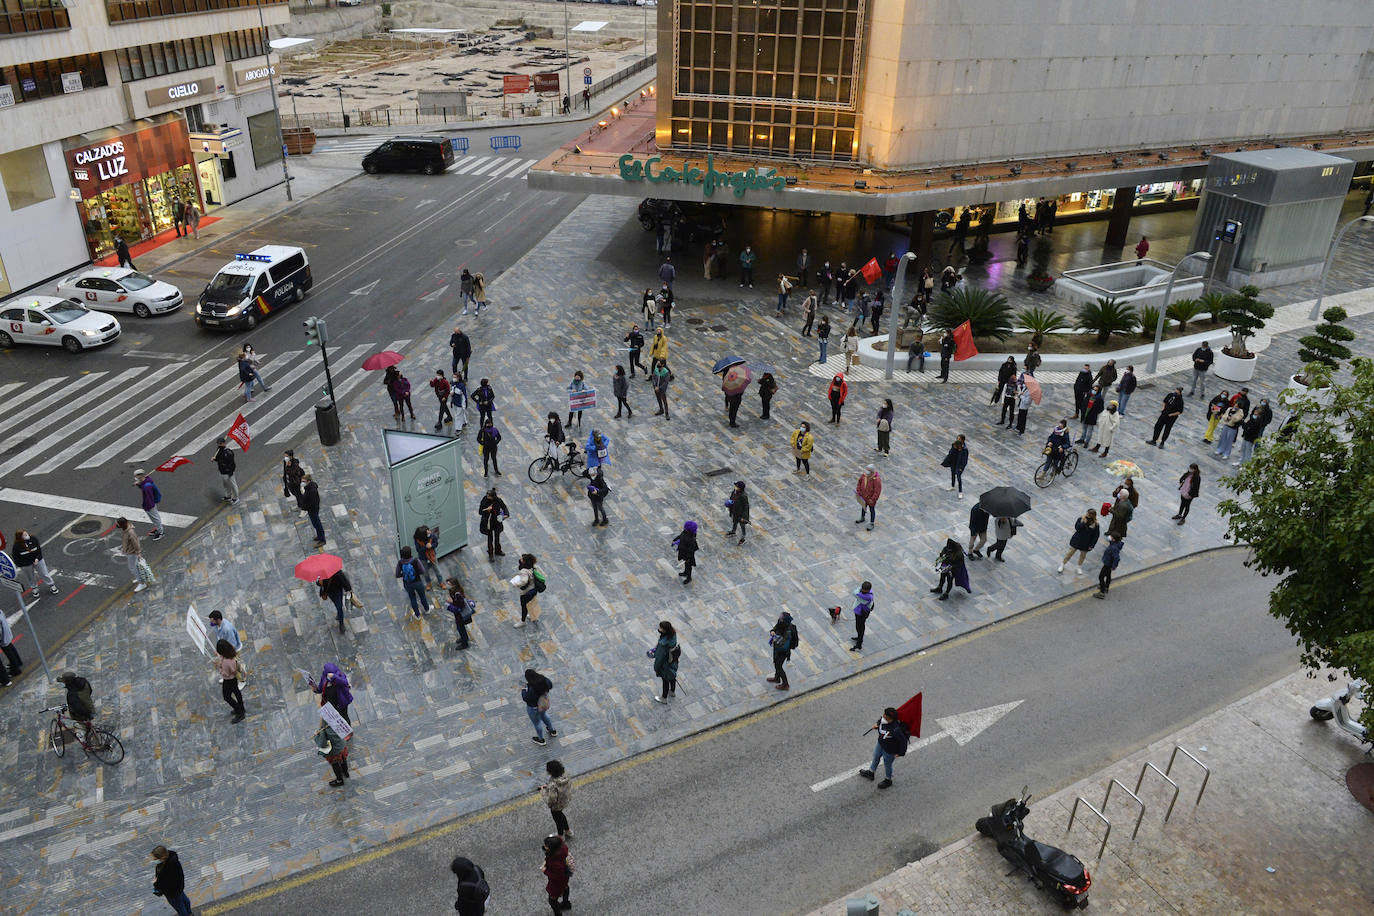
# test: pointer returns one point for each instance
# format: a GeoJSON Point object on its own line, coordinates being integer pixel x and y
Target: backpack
{"type": "Point", "coordinates": [157, 494]}
{"type": "Point", "coordinates": [480, 887]}
{"type": "Point", "coordinates": [403, 386]}
{"type": "Point", "coordinates": [796, 637]}
{"type": "Point", "coordinates": [540, 583]}
{"type": "Point", "coordinates": [408, 571]}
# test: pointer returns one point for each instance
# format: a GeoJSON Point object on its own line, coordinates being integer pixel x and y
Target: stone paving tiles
{"type": "Point", "coordinates": [441, 732]}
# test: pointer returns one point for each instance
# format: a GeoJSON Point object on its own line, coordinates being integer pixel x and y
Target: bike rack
{"type": "Point", "coordinates": [1139, 817]}
{"type": "Point", "coordinates": [1169, 769]}
{"type": "Point", "coordinates": [1080, 800]}
{"type": "Point", "coordinates": [1151, 766]}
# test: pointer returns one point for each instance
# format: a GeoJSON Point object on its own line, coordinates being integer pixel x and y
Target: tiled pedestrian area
{"type": "Point", "coordinates": [441, 732]}
{"type": "Point", "coordinates": [1274, 814]}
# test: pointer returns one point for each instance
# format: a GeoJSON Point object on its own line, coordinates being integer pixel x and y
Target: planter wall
{"type": "Point", "coordinates": [1234, 370]}
{"type": "Point", "coordinates": [1322, 395]}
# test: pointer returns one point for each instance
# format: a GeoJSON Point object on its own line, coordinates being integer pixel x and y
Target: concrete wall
{"type": "Point", "coordinates": [330, 23]}
{"type": "Point", "coordinates": [42, 239]}
{"type": "Point", "coordinates": [954, 81]}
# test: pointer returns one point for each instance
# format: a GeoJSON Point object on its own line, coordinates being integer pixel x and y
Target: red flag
{"type": "Point", "coordinates": [909, 714]}
{"type": "Point", "coordinates": [239, 432]}
{"type": "Point", "coordinates": [871, 271]}
{"type": "Point", "coordinates": [171, 464]}
{"type": "Point", "coordinates": [963, 342]}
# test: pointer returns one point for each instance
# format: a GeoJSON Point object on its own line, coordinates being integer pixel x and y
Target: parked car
{"type": "Point", "coordinates": [430, 155]}
{"type": "Point", "coordinates": [121, 289]}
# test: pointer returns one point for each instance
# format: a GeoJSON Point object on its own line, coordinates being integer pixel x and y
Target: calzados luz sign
{"type": "Point", "coordinates": [108, 159]}
{"type": "Point", "coordinates": [707, 179]}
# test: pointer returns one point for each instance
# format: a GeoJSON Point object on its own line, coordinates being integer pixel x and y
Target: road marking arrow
{"type": "Point", "coordinates": [430, 297]}
{"type": "Point", "coordinates": [502, 197]}
{"type": "Point", "coordinates": [962, 727]}
{"type": "Point", "coordinates": [425, 203]}
{"type": "Point", "coordinates": [364, 290]}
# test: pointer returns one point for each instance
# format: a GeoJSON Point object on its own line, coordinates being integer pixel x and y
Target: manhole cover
{"type": "Point", "coordinates": [720, 328]}
{"type": "Point", "coordinates": [718, 472]}
{"type": "Point", "coordinates": [514, 308]}
{"type": "Point", "coordinates": [85, 527]}
{"type": "Point", "coordinates": [696, 320]}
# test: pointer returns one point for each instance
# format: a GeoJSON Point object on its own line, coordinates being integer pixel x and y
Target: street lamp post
{"type": "Point", "coordinates": [276, 109]}
{"type": "Point", "coordinates": [898, 295]}
{"type": "Point", "coordinates": [1326, 265]}
{"type": "Point", "coordinates": [1164, 306]}
{"type": "Point", "coordinates": [567, 53]}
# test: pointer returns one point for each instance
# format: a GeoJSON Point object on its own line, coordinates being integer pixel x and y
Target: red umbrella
{"type": "Point", "coordinates": [320, 566]}
{"type": "Point", "coordinates": [382, 360]}
{"type": "Point", "coordinates": [736, 379]}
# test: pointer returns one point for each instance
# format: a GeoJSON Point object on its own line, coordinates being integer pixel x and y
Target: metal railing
{"type": "Point", "coordinates": [1080, 800]}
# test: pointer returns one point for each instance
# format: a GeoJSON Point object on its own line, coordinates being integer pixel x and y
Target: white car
{"type": "Point", "coordinates": [56, 323]}
{"type": "Point", "coordinates": [121, 289]}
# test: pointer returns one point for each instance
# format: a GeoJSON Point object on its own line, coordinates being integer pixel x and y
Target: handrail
{"type": "Point", "coordinates": [1139, 817]}
{"type": "Point", "coordinates": [1089, 806]}
{"type": "Point", "coordinates": [1151, 766]}
{"type": "Point", "coordinates": [1170, 768]}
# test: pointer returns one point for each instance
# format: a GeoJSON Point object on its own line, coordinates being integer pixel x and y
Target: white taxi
{"type": "Point", "coordinates": [55, 323]}
{"type": "Point", "coordinates": [121, 289]}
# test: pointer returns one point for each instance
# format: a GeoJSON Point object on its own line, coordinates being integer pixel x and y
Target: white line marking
{"type": "Point", "coordinates": [138, 431]}
{"type": "Point", "coordinates": [295, 426]}
{"type": "Point", "coordinates": [468, 165]}
{"type": "Point", "coordinates": [835, 780]}
{"type": "Point", "coordinates": [35, 411]}
{"type": "Point", "coordinates": [86, 506]}
{"type": "Point", "coordinates": [485, 166]}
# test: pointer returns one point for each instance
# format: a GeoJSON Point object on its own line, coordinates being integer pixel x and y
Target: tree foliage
{"type": "Point", "coordinates": [1041, 322]}
{"type": "Point", "coordinates": [1327, 342]}
{"type": "Point", "coordinates": [1246, 313]}
{"type": "Point", "coordinates": [1184, 311]}
{"type": "Point", "coordinates": [1303, 506]}
{"type": "Point", "coordinates": [1106, 317]}
{"type": "Point", "coordinates": [987, 311]}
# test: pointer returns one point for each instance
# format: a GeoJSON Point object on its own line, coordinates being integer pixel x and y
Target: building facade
{"type": "Point", "coordinates": [111, 111]}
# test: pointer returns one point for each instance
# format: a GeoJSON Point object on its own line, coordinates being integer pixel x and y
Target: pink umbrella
{"type": "Point", "coordinates": [736, 379]}
{"type": "Point", "coordinates": [382, 360]}
{"type": "Point", "coordinates": [1033, 387]}
{"type": "Point", "coordinates": [317, 567]}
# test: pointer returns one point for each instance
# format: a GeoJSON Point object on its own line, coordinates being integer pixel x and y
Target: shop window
{"type": "Point", "coordinates": [243, 44]}
{"type": "Point", "coordinates": [266, 141]}
{"type": "Point", "coordinates": [26, 177]}
{"type": "Point", "coordinates": [20, 16]}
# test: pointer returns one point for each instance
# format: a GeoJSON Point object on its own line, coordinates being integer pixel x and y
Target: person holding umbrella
{"type": "Point", "coordinates": [1004, 504]}
{"type": "Point", "coordinates": [733, 381]}
{"type": "Point", "coordinates": [326, 571]}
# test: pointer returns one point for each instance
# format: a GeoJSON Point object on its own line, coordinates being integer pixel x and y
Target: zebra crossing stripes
{"type": "Point", "coordinates": [37, 412]}
{"type": "Point", "coordinates": [491, 166]}
{"type": "Point", "coordinates": [138, 431]}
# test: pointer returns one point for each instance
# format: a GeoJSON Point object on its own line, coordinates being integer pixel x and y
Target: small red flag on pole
{"type": "Point", "coordinates": [963, 342]}
{"type": "Point", "coordinates": [909, 714]}
{"type": "Point", "coordinates": [239, 432]}
{"type": "Point", "coordinates": [871, 271]}
{"type": "Point", "coordinates": [171, 464]}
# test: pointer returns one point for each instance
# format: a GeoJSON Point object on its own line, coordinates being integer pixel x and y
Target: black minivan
{"type": "Point", "coordinates": [430, 155]}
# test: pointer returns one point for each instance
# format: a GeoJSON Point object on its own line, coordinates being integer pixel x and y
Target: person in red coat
{"type": "Point", "coordinates": [837, 392]}
{"type": "Point", "coordinates": [558, 868]}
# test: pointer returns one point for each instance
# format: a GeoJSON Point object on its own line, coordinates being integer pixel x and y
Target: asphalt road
{"type": "Point", "coordinates": [385, 251]}
{"type": "Point", "coordinates": [728, 821]}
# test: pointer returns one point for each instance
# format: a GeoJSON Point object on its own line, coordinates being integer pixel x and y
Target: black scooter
{"type": "Point", "coordinates": [1047, 868]}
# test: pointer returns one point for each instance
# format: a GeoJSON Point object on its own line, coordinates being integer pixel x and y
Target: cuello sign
{"type": "Point", "coordinates": [179, 92]}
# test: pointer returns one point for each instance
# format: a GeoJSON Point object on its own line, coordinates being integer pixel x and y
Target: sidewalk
{"type": "Point", "coordinates": [1275, 832]}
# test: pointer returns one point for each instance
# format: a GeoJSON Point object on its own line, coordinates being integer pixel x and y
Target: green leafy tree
{"type": "Point", "coordinates": [1246, 313]}
{"type": "Point", "coordinates": [1041, 322]}
{"type": "Point", "coordinates": [1184, 311]}
{"type": "Point", "coordinates": [987, 311]}
{"type": "Point", "coordinates": [1106, 317]}
{"type": "Point", "coordinates": [1302, 506]}
{"type": "Point", "coordinates": [1327, 342]}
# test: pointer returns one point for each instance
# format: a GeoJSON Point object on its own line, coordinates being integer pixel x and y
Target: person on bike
{"type": "Point", "coordinates": [80, 706]}
{"type": "Point", "coordinates": [1057, 447]}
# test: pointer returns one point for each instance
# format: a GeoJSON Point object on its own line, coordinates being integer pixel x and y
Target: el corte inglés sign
{"type": "Point", "coordinates": [708, 179]}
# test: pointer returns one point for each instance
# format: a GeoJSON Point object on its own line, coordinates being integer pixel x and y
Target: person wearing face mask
{"type": "Point", "coordinates": [27, 554]}
{"type": "Point", "coordinates": [1107, 425]}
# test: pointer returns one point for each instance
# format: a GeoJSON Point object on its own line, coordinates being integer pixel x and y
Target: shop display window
{"type": "Point", "coordinates": [26, 177]}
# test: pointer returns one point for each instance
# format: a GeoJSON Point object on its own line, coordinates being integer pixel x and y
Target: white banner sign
{"type": "Point", "coordinates": [334, 720]}
{"type": "Point", "coordinates": [71, 82]}
{"type": "Point", "coordinates": [196, 627]}
{"type": "Point", "coordinates": [6, 95]}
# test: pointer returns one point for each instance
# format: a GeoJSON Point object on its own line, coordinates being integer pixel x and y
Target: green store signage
{"type": "Point", "coordinates": [707, 179]}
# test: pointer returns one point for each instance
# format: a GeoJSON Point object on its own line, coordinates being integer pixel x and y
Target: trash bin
{"type": "Point", "coordinates": [327, 422]}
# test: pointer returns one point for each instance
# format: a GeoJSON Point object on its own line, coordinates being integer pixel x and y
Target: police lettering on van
{"type": "Point", "coordinates": [253, 286]}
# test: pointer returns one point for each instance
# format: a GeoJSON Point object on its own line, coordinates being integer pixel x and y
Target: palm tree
{"type": "Point", "coordinates": [1106, 317]}
{"type": "Point", "coordinates": [987, 311]}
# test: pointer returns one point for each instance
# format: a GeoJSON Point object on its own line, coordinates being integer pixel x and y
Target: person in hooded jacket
{"type": "Point", "coordinates": [863, 606]}
{"type": "Point", "coordinates": [558, 869]}
{"type": "Point", "coordinates": [1082, 387]}
{"type": "Point", "coordinates": [1084, 539]}
{"type": "Point", "coordinates": [738, 505]}
{"type": "Point", "coordinates": [536, 688]}
{"type": "Point", "coordinates": [1253, 428]}
{"type": "Point", "coordinates": [493, 512]}
{"type": "Point", "coordinates": [867, 491]}
{"type": "Point", "coordinates": [768, 386]}
{"type": "Point", "coordinates": [1107, 424]}
{"type": "Point", "coordinates": [783, 639]}
{"type": "Point", "coordinates": [334, 689]}
{"type": "Point", "coordinates": [473, 889]}
{"type": "Point", "coordinates": [597, 491]}
{"type": "Point", "coordinates": [169, 881]}
{"type": "Point", "coordinates": [665, 655]}
{"type": "Point", "coordinates": [978, 519]}
{"type": "Point", "coordinates": [956, 460]}
{"type": "Point", "coordinates": [1005, 373]}
{"type": "Point", "coordinates": [802, 444]}
{"type": "Point", "coordinates": [1216, 409]}
{"type": "Point", "coordinates": [836, 392]}
{"type": "Point", "coordinates": [686, 544]}
{"type": "Point", "coordinates": [336, 588]}
{"type": "Point", "coordinates": [1189, 485]}
{"type": "Point", "coordinates": [620, 387]}
{"type": "Point", "coordinates": [485, 399]}
{"type": "Point", "coordinates": [950, 565]}
{"type": "Point", "coordinates": [1092, 409]}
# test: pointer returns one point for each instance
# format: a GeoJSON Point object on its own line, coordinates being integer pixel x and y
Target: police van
{"type": "Point", "coordinates": [253, 286]}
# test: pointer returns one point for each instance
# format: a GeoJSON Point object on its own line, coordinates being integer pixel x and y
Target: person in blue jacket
{"type": "Point", "coordinates": [598, 450]}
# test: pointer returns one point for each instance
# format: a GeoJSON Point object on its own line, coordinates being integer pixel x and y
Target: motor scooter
{"type": "Point", "coordinates": [1047, 867]}
{"type": "Point", "coordinates": [1335, 707]}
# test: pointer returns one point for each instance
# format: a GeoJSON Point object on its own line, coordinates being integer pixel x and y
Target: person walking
{"type": "Point", "coordinates": [133, 552]}
{"type": "Point", "coordinates": [648, 307]}
{"type": "Point", "coordinates": [27, 554]}
{"type": "Point", "coordinates": [1189, 484]}
{"type": "Point", "coordinates": [179, 216]}
{"type": "Point", "coordinates": [1031, 361]}
{"type": "Point", "coordinates": [1107, 424]}
{"type": "Point", "coordinates": [1111, 559]}
{"type": "Point", "coordinates": [485, 399]}
{"type": "Point", "coordinates": [1005, 373]}
{"type": "Point", "coordinates": [493, 513]}
{"type": "Point", "coordinates": [664, 301]}
{"type": "Point", "coordinates": [1003, 529]}
{"type": "Point", "coordinates": [336, 588]}
{"type": "Point", "coordinates": [661, 377]}
{"type": "Point", "coordinates": [292, 478]}
{"type": "Point", "coordinates": [1173, 406]}
{"type": "Point", "coordinates": [226, 465]}
{"type": "Point", "coordinates": [169, 881]}
{"type": "Point", "coordinates": [536, 694]}
{"type": "Point", "coordinates": [473, 890]}
{"type": "Point", "coordinates": [783, 638]}
{"type": "Point", "coordinates": [1105, 377]}
{"type": "Point", "coordinates": [825, 278]}
{"type": "Point", "coordinates": [658, 348]}
{"type": "Point", "coordinates": [460, 345]}
{"type": "Point", "coordinates": [557, 792]}
{"type": "Point", "coordinates": [876, 315]}
{"type": "Point", "coordinates": [667, 273]}
{"type": "Point", "coordinates": [1011, 393]}
{"type": "Point", "coordinates": [747, 257]}
{"type": "Point", "coordinates": [479, 292]}
{"type": "Point", "coordinates": [121, 248]}
{"type": "Point", "coordinates": [193, 218]}
{"type": "Point", "coordinates": [246, 377]}
{"type": "Point", "coordinates": [597, 491]}
{"type": "Point", "coordinates": [863, 606]}
{"type": "Point", "coordinates": [823, 337]}
{"type": "Point", "coordinates": [14, 663]}
{"type": "Point", "coordinates": [620, 387]}
{"type": "Point", "coordinates": [1082, 387]}
{"type": "Point", "coordinates": [950, 566]}
{"type": "Point", "coordinates": [666, 655]}
{"type": "Point", "coordinates": [956, 459]}
{"type": "Point", "coordinates": [529, 582]}
{"type": "Point", "coordinates": [978, 519]}
{"type": "Point", "coordinates": [867, 491]}
{"type": "Point", "coordinates": [1216, 410]}
{"type": "Point", "coordinates": [849, 346]}
{"type": "Point", "coordinates": [635, 340]}
{"type": "Point", "coordinates": [1230, 427]}
{"type": "Point", "coordinates": [1142, 248]}
{"type": "Point", "coordinates": [893, 740]}
{"type": "Point", "coordinates": [784, 290]}
{"type": "Point", "coordinates": [410, 569]}
{"type": "Point", "coordinates": [686, 544]}
{"type": "Point", "coordinates": [334, 748]}
{"type": "Point", "coordinates": [400, 389]}
{"type": "Point", "coordinates": [576, 386]}
{"type": "Point", "coordinates": [802, 444]}
{"type": "Point", "coordinates": [220, 628]}
{"type": "Point", "coordinates": [808, 314]}
{"type": "Point", "coordinates": [465, 290]}
{"type": "Point", "coordinates": [1125, 387]}
{"type": "Point", "coordinates": [768, 386]}
{"type": "Point", "coordinates": [836, 392]}
{"type": "Point", "coordinates": [1202, 361]}
{"type": "Point", "coordinates": [1253, 428]}
{"type": "Point", "coordinates": [737, 503]}
{"type": "Point", "coordinates": [439, 384]}
{"type": "Point", "coordinates": [598, 451]}
{"type": "Point", "coordinates": [462, 608]}
{"type": "Point", "coordinates": [947, 348]}
{"type": "Point", "coordinates": [488, 443]}
{"type": "Point", "coordinates": [885, 415]}
{"type": "Point", "coordinates": [227, 667]}
{"type": "Point", "coordinates": [558, 869]}
{"type": "Point", "coordinates": [1092, 409]}
{"type": "Point", "coordinates": [732, 402]}
{"type": "Point", "coordinates": [425, 540]}
{"type": "Point", "coordinates": [310, 501]}
{"type": "Point", "coordinates": [1083, 540]}
{"type": "Point", "coordinates": [152, 496]}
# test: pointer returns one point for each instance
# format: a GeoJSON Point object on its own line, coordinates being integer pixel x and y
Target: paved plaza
{"type": "Point", "coordinates": [441, 732]}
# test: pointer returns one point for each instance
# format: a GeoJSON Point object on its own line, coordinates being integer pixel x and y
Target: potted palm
{"type": "Point", "coordinates": [1246, 314]}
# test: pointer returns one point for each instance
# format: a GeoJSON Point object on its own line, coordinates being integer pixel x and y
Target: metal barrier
{"type": "Point", "coordinates": [1139, 817]}
{"type": "Point", "coordinates": [461, 145]}
{"type": "Point", "coordinates": [1086, 804]}
{"type": "Point", "coordinates": [505, 141]}
{"type": "Point", "coordinates": [1170, 768]}
{"type": "Point", "coordinates": [1141, 778]}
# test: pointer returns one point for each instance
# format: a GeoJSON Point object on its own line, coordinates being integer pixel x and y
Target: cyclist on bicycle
{"type": "Point", "coordinates": [80, 706]}
{"type": "Point", "coordinates": [1057, 447]}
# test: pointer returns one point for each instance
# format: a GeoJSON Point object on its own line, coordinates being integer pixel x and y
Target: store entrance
{"type": "Point", "coordinates": [208, 169]}
{"type": "Point", "coordinates": [136, 211]}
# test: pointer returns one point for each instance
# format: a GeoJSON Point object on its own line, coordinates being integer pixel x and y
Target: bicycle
{"type": "Point", "coordinates": [1045, 474]}
{"type": "Point", "coordinates": [542, 469]}
{"type": "Point", "coordinates": [95, 741]}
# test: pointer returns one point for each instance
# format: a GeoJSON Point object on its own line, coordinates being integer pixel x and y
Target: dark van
{"type": "Point", "coordinates": [253, 286]}
{"type": "Point", "coordinates": [430, 155]}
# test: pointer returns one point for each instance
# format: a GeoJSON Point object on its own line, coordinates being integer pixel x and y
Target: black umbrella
{"type": "Point", "coordinates": [725, 362]}
{"type": "Point", "coordinates": [1005, 502]}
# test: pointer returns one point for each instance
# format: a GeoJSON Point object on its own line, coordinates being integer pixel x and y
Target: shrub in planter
{"type": "Point", "coordinates": [1041, 322]}
{"type": "Point", "coordinates": [1326, 345]}
{"type": "Point", "coordinates": [987, 311]}
{"type": "Point", "coordinates": [1184, 311]}
{"type": "Point", "coordinates": [1039, 279]}
{"type": "Point", "coordinates": [1246, 314]}
{"type": "Point", "coordinates": [1105, 317]}
{"type": "Point", "coordinates": [1148, 316]}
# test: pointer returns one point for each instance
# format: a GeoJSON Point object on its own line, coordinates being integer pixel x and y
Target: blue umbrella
{"type": "Point", "coordinates": [762, 368]}
{"type": "Point", "coordinates": [725, 362]}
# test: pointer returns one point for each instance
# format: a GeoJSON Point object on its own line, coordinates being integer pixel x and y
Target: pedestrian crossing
{"type": "Point", "coordinates": [143, 415]}
{"type": "Point", "coordinates": [492, 166]}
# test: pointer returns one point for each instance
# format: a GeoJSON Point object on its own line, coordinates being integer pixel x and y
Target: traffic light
{"type": "Point", "coordinates": [315, 332]}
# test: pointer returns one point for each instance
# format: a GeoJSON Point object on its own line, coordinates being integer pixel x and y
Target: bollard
{"type": "Point", "coordinates": [862, 906]}
{"type": "Point", "coordinates": [327, 422]}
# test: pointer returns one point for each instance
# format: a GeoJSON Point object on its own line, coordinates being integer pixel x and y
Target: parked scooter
{"type": "Point", "coordinates": [1335, 707]}
{"type": "Point", "coordinates": [1047, 867]}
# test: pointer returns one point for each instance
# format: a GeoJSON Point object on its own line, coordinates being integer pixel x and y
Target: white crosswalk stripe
{"type": "Point", "coordinates": [145, 414]}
